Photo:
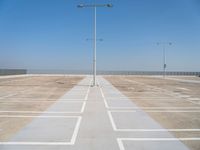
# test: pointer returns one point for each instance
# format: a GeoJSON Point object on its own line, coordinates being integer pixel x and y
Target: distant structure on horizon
{"type": "Point", "coordinates": [183, 73]}
{"type": "Point", "coordinates": [12, 71]}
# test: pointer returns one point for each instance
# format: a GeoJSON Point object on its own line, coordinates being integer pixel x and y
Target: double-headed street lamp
{"type": "Point", "coordinates": [94, 54]}
{"type": "Point", "coordinates": [164, 55]}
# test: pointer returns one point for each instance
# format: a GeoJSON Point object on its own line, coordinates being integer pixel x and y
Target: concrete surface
{"type": "Point", "coordinates": [96, 118]}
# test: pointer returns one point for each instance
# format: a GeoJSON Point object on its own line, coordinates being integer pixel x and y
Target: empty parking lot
{"type": "Point", "coordinates": [122, 112]}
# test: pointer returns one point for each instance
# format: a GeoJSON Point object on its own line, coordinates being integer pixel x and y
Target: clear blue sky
{"type": "Point", "coordinates": [50, 34]}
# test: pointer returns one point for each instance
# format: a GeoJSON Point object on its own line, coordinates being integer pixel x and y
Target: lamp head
{"type": "Point", "coordinates": [109, 5]}
{"type": "Point", "coordinates": [80, 6]}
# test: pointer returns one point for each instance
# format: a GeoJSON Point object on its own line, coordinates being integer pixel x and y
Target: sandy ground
{"type": "Point", "coordinates": [31, 93]}
{"type": "Point", "coordinates": [174, 104]}
{"type": "Point", "coordinates": [187, 78]}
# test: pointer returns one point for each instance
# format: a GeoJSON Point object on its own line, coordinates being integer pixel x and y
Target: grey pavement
{"type": "Point", "coordinates": [93, 118]}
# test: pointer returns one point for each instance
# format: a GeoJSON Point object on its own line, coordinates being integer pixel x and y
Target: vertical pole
{"type": "Point", "coordinates": [164, 61]}
{"type": "Point", "coordinates": [94, 57]}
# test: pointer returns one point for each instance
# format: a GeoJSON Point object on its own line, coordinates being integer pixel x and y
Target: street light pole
{"type": "Point", "coordinates": [164, 55]}
{"type": "Point", "coordinates": [95, 34]}
{"type": "Point", "coordinates": [164, 61]}
{"type": "Point", "coordinates": [95, 47]}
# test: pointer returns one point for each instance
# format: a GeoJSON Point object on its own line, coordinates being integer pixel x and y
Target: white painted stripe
{"type": "Point", "coordinates": [143, 130]}
{"type": "Point", "coordinates": [193, 102]}
{"type": "Point", "coordinates": [88, 90]}
{"type": "Point", "coordinates": [72, 99]}
{"type": "Point", "coordinates": [156, 107]}
{"type": "Point", "coordinates": [36, 143]}
{"type": "Point", "coordinates": [184, 96]}
{"type": "Point", "coordinates": [13, 94]}
{"type": "Point", "coordinates": [149, 99]}
{"type": "Point", "coordinates": [157, 111]}
{"type": "Point", "coordinates": [47, 101]}
{"type": "Point", "coordinates": [174, 111]}
{"type": "Point", "coordinates": [121, 145]}
{"type": "Point", "coordinates": [83, 107]}
{"type": "Point", "coordinates": [106, 105]}
{"type": "Point", "coordinates": [24, 99]}
{"type": "Point", "coordinates": [160, 139]}
{"type": "Point", "coordinates": [112, 121]}
{"type": "Point", "coordinates": [157, 130]}
{"type": "Point", "coordinates": [39, 112]}
{"type": "Point", "coordinates": [194, 99]}
{"type": "Point", "coordinates": [72, 141]}
{"type": "Point", "coordinates": [181, 88]}
{"type": "Point", "coordinates": [30, 116]}
{"type": "Point", "coordinates": [74, 136]}
{"type": "Point", "coordinates": [103, 96]}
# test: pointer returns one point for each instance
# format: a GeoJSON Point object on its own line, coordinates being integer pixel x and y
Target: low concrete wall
{"type": "Point", "coordinates": [113, 72]}
{"type": "Point", "coordinates": [12, 71]}
{"type": "Point", "coordinates": [172, 73]}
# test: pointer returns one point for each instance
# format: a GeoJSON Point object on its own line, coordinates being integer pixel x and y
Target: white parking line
{"type": "Point", "coordinates": [193, 102]}
{"type": "Point", "coordinates": [160, 139]}
{"type": "Point", "coordinates": [72, 141]}
{"type": "Point", "coordinates": [83, 107]}
{"type": "Point", "coordinates": [103, 96]}
{"type": "Point", "coordinates": [43, 101]}
{"type": "Point", "coordinates": [177, 95]}
{"type": "Point", "coordinates": [47, 112]}
{"type": "Point", "coordinates": [31, 116]}
{"type": "Point", "coordinates": [112, 121]}
{"type": "Point", "coordinates": [121, 145]}
{"type": "Point", "coordinates": [36, 112]}
{"type": "Point", "coordinates": [174, 111]}
{"type": "Point", "coordinates": [194, 99]}
{"type": "Point", "coordinates": [13, 94]}
{"type": "Point", "coordinates": [24, 99]}
{"type": "Point", "coordinates": [76, 131]}
{"type": "Point", "coordinates": [151, 108]}
{"type": "Point", "coordinates": [88, 90]}
{"type": "Point", "coordinates": [37, 143]}
{"type": "Point", "coordinates": [157, 111]}
{"type": "Point", "coordinates": [184, 96]}
{"type": "Point", "coordinates": [183, 88]}
{"type": "Point", "coordinates": [157, 108]}
{"type": "Point", "coordinates": [143, 130]}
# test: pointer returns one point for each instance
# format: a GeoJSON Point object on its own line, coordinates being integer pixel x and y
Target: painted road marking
{"type": "Point", "coordinates": [72, 140]}
{"type": "Point", "coordinates": [31, 116]}
{"type": "Point", "coordinates": [194, 99]}
{"type": "Point", "coordinates": [142, 130]}
{"type": "Point", "coordinates": [81, 110]}
{"type": "Point", "coordinates": [38, 101]}
{"type": "Point", "coordinates": [76, 129]}
{"type": "Point", "coordinates": [181, 88]}
{"type": "Point", "coordinates": [121, 145]}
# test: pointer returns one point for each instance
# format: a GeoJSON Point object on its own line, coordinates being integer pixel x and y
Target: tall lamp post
{"type": "Point", "coordinates": [164, 55]}
{"type": "Point", "coordinates": [94, 53]}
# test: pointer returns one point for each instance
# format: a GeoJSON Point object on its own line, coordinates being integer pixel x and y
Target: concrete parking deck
{"type": "Point", "coordinates": [92, 118]}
